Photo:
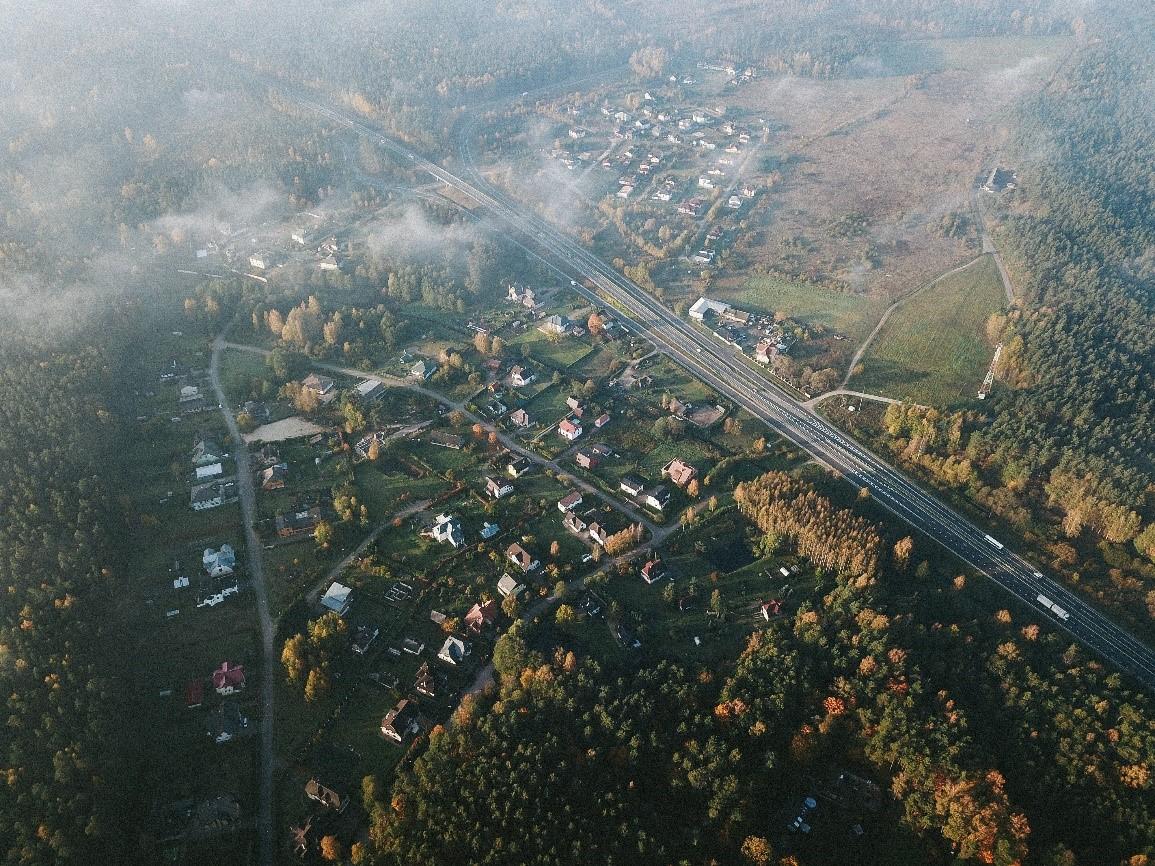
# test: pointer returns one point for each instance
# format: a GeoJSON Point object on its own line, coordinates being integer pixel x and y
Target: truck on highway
{"type": "Point", "coordinates": [1052, 607]}
{"type": "Point", "coordinates": [994, 542]}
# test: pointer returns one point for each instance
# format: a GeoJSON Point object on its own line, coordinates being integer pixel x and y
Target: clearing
{"type": "Point", "coordinates": [932, 350]}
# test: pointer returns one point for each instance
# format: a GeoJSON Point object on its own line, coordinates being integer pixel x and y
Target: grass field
{"type": "Point", "coordinates": [853, 315]}
{"type": "Point", "coordinates": [932, 350]}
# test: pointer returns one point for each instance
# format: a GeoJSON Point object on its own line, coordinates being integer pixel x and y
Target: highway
{"type": "Point", "coordinates": [729, 374]}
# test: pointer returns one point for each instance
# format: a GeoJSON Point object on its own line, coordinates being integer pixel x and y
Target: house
{"type": "Point", "coordinates": [194, 694]}
{"type": "Point", "coordinates": [705, 305]}
{"type": "Point", "coordinates": [262, 261]}
{"type": "Point", "coordinates": [322, 386]}
{"type": "Point", "coordinates": [365, 443]}
{"type": "Point", "coordinates": [771, 608]}
{"type": "Point", "coordinates": [229, 679]}
{"type": "Point", "coordinates": [269, 455]}
{"type": "Point", "coordinates": [219, 563]}
{"type": "Point", "coordinates": [765, 351]}
{"type": "Point", "coordinates": [275, 477]}
{"type": "Point", "coordinates": [632, 485]}
{"type": "Point", "coordinates": [447, 530]}
{"type": "Point", "coordinates": [749, 191]}
{"type": "Point", "coordinates": [256, 410]}
{"type": "Point", "coordinates": [301, 838]}
{"type": "Point", "coordinates": [570, 429]}
{"type": "Point", "coordinates": [569, 502]}
{"type": "Point", "coordinates": [363, 638]}
{"type": "Point", "coordinates": [227, 723]}
{"type": "Point", "coordinates": [734, 202]}
{"type": "Point", "coordinates": [425, 683]}
{"type": "Point", "coordinates": [658, 498]}
{"type": "Point", "coordinates": [488, 530]}
{"type": "Point", "coordinates": [519, 377]}
{"type": "Point", "coordinates": [679, 472]}
{"type": "Point", "coordinates": [518, 466]}
{"type": "Point", "coordinates": [190, 401]}
{"type": "Point", "coordinates": [599, 533]}
{"type": "Point", "coordinates": [370, 389]}
{"type": "Point", "coordinates": [454, 651]}
{"type": "Point", "coordinates": [653, 571]}
{"type": "Point", "coordinates": [497, 487]}
{"type": "Point", "coordinates": [422, 370]}
{"type": "Point", "coordinates": [587, 459]}
{"type": "Point", "coordinates": [692, 208]}
{"type": "Point", "coordinates": [575, 405]}
{"type": "Point", "coordinates": [705, 182]}
{"type": "Point", "coordinates": [326, 796]}
{"type": "Point", "coordinates": [337, 598]}
{"type": "Point", "coordinates": [520, 557]}
{"type": "Point", "coordinates": [400, 721]}
{"type": "Point", "coordinates": [520, 418]}
{"type": "Point", "coordinates": [206, 452]}
{"type": "Point", "coordinates": [525, 296]}
{"type": "Point", "coordinates": [554, 324]}
{"type": "Point", "coordinates": [206, 496]}
{"type": "Point", "coordinates": [481, 616]}
{"type": "Point", "coordinates": [507, 585]}
{"type": "Point", "coordinates": [301, 522]}
{"type": "Point", "coordinates": [602, 421]}
{"type": "Point", "coordinates": [573, 522]}
{"type": "Point", "coordinates": [445, 439]}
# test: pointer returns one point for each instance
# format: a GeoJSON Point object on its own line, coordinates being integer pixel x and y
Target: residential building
{"type": "Point", "coordinates": [518, 466]}
{"type": "Point", "coordinates": [206, 451]}
{"type": "Point", "coordinates": [554, 324]}
{"type": "Point", "coordinates": [488, 530]}
{"type": "Point", "coordinates": [632, 485]}
{"type": "Point", "coordinates": [326, 796]}
{"type": "Point", "coordinates": [363, 638]}
{"type": "Point", "coordinates": [658, 498]}
{"type": "Point", "coordinates": [602, 420]}
{"type": "Point", "coordinates": [275, 477]}
{"type": "Point", "coordinates": [322, 386]}
{"type": "Point", "coordinates": [300, 522]}
{"type": "Point", "coordinates": [229, 679]}
{"type": "Point", "coordinates": [587, 459]}
{"type": "Point", "coordinates": [570, 429]}
{"type": "Point", "coordinates": [447, 530]}
{"type": "Point", "coordinates": [219, 563]}
{"type": "Point", "coordinates": [570, 501]}
{"type": "Point", "coordinates": [576, 405]}
{"type": "Point", "coordinates": [507, 585]}
{"type": "Point", "coordinates": [337, 598]}
{"type": "Point", "coordinates": [497, 487]}
{"type": "Point", "coordinates": [653, 571]}
{"type": "Point", "coordinates": [370, 389]}
{"type": "Point", "coordinates": [705, 305]}
{"type": "Point", "coordinates": [227, 723]}
{"type": "Point", "coordinates": [454, 651]}
{"type": "Point", "coordinates": [520, 418]}
{"type": "Point", "coordinates": [679, 472]}
{"type": "Point", "coordinates": [573, 522]}
{"type": "Point", "coordinates": [445, 439]}
{"type": "Point", "coordinates": [520, 557]}
{"type": "Point", "coordinates": [519, 377]}
{"type": "Point", "coordinates": [400, 721]}
{"type": "Point", "coordinates": [481, 616]}
{"type": "Point", "coordinates": [422, 370]}
{"type": "Point", "coordinates": [425, 683]}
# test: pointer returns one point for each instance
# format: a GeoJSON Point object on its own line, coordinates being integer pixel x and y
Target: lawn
{"type": "Point", "coordinates": [846, 313]}
{"type": "Point", "coordinates": [932, 350]}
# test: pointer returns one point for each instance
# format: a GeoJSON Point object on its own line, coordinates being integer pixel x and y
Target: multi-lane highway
{"type": "Point", "coordinates": [729, 374]}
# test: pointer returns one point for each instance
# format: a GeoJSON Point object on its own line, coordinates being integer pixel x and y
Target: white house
{"type": "Point", "coordinates": [204, 473]}
{"type": "Point", "coordinates": [453, 651]}
{"type": "Point", "coordinates": [447, 530]}
{"type": "Point", "coordinates": [337, 598]}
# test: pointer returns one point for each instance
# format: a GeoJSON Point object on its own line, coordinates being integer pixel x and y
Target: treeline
{"type": "Point", "coordinates": [787, 508]}
{"type": "Point", "coordinates": [61, 755]}
{"type": "Point", "coordinates": [1083, 393]}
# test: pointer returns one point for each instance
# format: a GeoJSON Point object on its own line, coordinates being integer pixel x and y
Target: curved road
{"type": "Point", "coordinates": [728, 373]}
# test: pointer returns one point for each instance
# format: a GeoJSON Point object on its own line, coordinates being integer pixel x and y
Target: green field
{"type": "Point", "coordinates": [853, 315]}
{"type": "Point", "coordinates": [932, 350]}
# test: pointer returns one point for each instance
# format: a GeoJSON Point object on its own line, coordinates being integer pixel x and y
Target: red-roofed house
{"type": "Point", "coordinates": [654, 570]}
{"type": "Point", "coordinates": [569, 429]}
{"type": "Point", "coordinates": [229, 678]}
{"type": "Point", "coordinates": [679, 472]}
{"type": "Point", "coordinates": [481, 616]}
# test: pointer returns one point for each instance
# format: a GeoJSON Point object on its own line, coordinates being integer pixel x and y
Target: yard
{"type": "Point", "coordinates": [932, 350]}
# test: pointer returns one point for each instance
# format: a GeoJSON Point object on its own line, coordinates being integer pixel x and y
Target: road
{"type": "Point", "coordinates": [269, 661]}
{"type": "Point", "coordinates": [730, 375]}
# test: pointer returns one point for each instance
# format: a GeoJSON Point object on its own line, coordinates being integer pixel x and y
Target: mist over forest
{"type": "Point", "coordinates": [219, 218]}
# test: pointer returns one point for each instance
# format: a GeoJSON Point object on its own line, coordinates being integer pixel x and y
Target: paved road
{"type": "Point", "coordinates": [729, 374]}
{"type": "Point", "coordinates": [248, 497]}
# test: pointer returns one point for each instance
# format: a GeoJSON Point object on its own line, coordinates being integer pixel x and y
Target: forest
{"type": "Point", "coordinates": [993, 739]}
{"type": "Point", "coordinates": [63, 750]}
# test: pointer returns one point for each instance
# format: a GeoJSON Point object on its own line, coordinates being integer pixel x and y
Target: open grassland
{"type": "Point", "coordinates": [932, 350]}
